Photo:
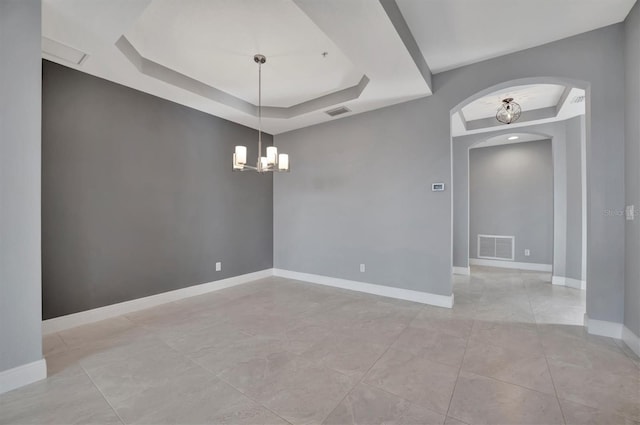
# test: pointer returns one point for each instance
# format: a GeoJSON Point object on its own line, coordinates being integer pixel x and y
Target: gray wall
{"type": "Point", "coordinates": [360, 192]}
{"type": "Point", "coordinates": [575, 128]}
{"type": "Point", "coordinates": [632, 170]}
{"type": "Point", "coordinates": [360, 162]}
{"type": "Point", "coordinates": [564, 239]}
{"type": "Point", "coordinates": [20, 269]}
{"type": "Point", "coordinates": [460, 148]}
{"type": "Point", "coordinates": [595, 58]}
{"type": "Point", "coordinates": [139, 197]}
{"type": "Point", "coordinates": [511, 193]}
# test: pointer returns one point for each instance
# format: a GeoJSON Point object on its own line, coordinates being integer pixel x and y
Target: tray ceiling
{"type": "Point", "coordinates": [200, 53]}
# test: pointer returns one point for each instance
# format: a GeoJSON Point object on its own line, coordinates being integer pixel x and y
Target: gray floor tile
{"type": "Point", "coordinates": [480, 400]}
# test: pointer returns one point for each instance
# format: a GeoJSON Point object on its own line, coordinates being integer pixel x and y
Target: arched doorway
{"type": "Point", "coordinates": [546, 117]}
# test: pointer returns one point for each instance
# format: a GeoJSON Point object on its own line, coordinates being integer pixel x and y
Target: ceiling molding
{"type": "Point", "coordinates": [563, 99]}
{"type": "Point", "coordinates": [171, 50]}
{"type": "Point", "coordinates": [395, 15]}
{"type": "Point", "coordinates": [175, 78]}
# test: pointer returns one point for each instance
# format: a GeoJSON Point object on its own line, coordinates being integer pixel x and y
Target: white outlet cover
{"type": "Point", "coordinates": [218, 266]}
{"type": "Point", "coordinates": [527, 252]}
{"type": "Point", "coordinates": [362, 268]}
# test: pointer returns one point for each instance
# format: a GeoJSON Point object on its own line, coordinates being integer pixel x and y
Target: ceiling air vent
{"type": "Point", "coordinates": [62, 51]}
{"type": "Point", "coordinates": [577, 99]}
{"type": "Point", "coordinates": [337, 111]}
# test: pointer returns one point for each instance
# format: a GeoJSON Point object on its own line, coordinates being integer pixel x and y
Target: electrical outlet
{"type": "Point", "coordinates": [361, 268]}
{"type": "Point", "coordinates": [527, 252]}
{"type": "Point", "coordinates": [218, 266]}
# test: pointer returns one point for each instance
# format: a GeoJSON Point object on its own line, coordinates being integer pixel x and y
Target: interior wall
{"type": "Point", "coordinates": [511, 194]}
{"type": "Point", "coordinates": [632, 170]}
{"type": "Point", "coordinates": [555, 131]}
{"type": "Point", "coordinates": [20, 266]}
{"type": "Point", "coordinates": [139, 197]}
{"type": "Point", "coordinates": [575, 133]}
{"type": "Point", "coordinates": [360, 193]}
{"type": "Point", "coordinates": [396, 153]}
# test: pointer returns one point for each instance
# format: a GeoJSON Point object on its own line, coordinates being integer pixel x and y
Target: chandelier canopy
{"type": "Point", "coordinates": [509, 111]}
{"type": "Point", "coordinates": [272, 162]}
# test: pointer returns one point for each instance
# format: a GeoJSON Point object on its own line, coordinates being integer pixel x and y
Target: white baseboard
{"type": "Point", "coordinates": [604, 328]}
{"type": "Point", "coordinates": [632, 340]}
{"type": "Point", "coordinates": [569, 282]}
{"type": "Point", "coordinates": [22, 375]}
{"type": "Point", "coordinates": [84, 317]}
{"type": "Point", "coordinates": [465, 271]}
{"type": "Point", "coordinates": [370, 288]}
{"type": "Point", "coordinates": [511, 265]}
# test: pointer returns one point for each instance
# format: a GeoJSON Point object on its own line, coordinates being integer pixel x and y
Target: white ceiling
{"type": "Point", "coordinates": [295, 71]}
{"type": "Point", "coordinates": [210, 44]}
{"type": "Point", "coordinates": [452, 33]}
{"type": "Point", "coordinates": [529, 97]}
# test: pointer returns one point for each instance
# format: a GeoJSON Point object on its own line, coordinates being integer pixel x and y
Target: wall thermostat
{"type": "Point", "coordinates": [437, 187]}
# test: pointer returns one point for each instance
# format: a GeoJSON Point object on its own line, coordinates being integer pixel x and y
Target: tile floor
{"type": "Point", "coordinates": [512, 351]}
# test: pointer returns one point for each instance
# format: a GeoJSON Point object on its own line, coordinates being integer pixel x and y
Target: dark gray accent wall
{"type": "Point", "coordinates": [575, 128]}
{"type": "Point", "coordinates": [360, 192]}
{"type": "Point", "coordinates": [20, 267]}
{"type": "Point", "coordinates": [351, 166]}
{"type": "Point", "coordinates": [139, 197]}
{"type": "Point", "coordinates": [632, 170]}
{"type": "Point", "coordinates": [511, 194]}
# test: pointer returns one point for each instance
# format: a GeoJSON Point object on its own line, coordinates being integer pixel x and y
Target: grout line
{"type": "Point", "coordinates": [544, 354]}
{"type": "Point", "coordinates": [102, 394]}
{"type": "Point", "coordinates": [247, 396]}
{"type": "Point", "coordinates": [460, 368]}
{"type": "Point", "coordinates": [364, 375]}
{"type": "Point", "coordinates": [186, 357]}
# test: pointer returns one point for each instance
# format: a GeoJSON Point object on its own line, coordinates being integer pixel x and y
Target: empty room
{"type": "Point", "coordinates": [319, 212]}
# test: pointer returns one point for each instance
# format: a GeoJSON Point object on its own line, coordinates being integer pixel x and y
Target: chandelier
{"type": "Point", "coordinates": [272, 162]}
{"type": "Point", "coordinates": [509, 111]}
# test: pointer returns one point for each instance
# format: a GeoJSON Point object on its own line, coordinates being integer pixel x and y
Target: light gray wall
{"type": "Point", "coordinates": [139, 197]}
{"type": "Point", "coordinates": [360, 192]}
{"type": "Point", "coordinates": [575, 133]}
{"type": "Point", "coordinates": [560, 202]}
{"type": "Point", "coordinates": [335, 162]}
{"type": "Point", "coordinates": [632, 170]}
{"type": "Point", "coordinates": [596, 58]}
{"type": "Point", "coordinates": [460, 148]}
{"type": "Point", "coordinates": [511, 194]}
{"type": "Point", "coordinates": [20, 268]}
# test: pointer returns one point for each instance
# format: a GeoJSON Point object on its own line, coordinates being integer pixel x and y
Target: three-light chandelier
{"type": "Point", "coordinates": [272, 162]}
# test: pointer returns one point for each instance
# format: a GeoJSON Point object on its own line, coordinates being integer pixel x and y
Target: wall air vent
{"type": "Point", "coordinates": [62, 51]}
{"type": "Point", "coordinates": [495, 247]}
{"type": "Point", "coordinates": [337, 111]}
{"type": "Point", "coordinates": [577, 99]}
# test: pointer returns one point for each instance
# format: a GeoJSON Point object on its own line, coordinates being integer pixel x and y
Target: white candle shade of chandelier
{"type": "Point", "coordinates": [272, 162]}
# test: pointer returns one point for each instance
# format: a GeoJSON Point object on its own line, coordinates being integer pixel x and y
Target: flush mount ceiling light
{"type": "Point", "coordinates": [509, 111]}
{"type": "Point", "coordinates": [513, 138]}
{"type": "Point", "coordinates": [273, 162]}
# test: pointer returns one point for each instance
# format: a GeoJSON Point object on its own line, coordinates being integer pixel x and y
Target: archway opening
{"type": "Point", "coordinates": [493, 233]}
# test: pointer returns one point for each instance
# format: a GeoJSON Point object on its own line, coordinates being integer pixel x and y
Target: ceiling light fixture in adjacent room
{"type": "Point", "coordinates": [273, 162]}
{"type": "Point", "coordinates": [509, 111]}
